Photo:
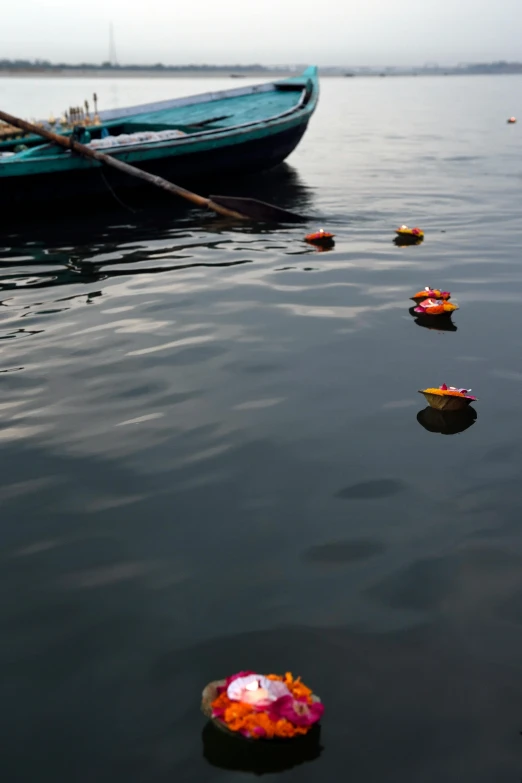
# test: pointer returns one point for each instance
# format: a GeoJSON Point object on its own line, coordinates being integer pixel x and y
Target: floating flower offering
{"type": "Point", "coordinates": [431, 293]}
{"type": "Point", "coordinates": [320, 237]}
{"type": "Point", "coordinates": [258, 706]}
{"type": "Point", "coordinates": [448, 398]}
{"type": "Point", "coordinates": [404, 231]}
{"type": "Point", "coordinates": [435, 307]}
{"type": "Point", "coordinates": [512, 120]}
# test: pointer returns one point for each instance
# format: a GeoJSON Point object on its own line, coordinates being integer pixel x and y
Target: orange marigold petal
{"type": "Point", "coordinates": [445, 393]}
{"type": "Point", "coordinates": [283, 728]}
{"type": "Point", "coordinates": [237, 711]}
{"type": "Point", "coordinates": [260, 721]}
{"type": "Point", "coordinates": [222, 702]}
{"type": "Point", "coordinates": [253, 721]}
{"type": "Point", "coordinates": [300, 691]}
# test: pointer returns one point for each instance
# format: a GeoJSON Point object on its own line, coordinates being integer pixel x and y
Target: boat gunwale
{"type": "Point", "coordinates": [216, 131]}
{"type": "Point", "coordinates": [205, 97]}
{"type": "Point", "coordinates": [109, 117]}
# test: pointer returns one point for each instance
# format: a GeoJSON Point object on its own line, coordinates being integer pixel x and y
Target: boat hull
{"type": "Point", "coordinates": [97, 184]}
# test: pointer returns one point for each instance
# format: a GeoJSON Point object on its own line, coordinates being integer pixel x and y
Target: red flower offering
{"type": "Point", "coordinates": [321, 237]}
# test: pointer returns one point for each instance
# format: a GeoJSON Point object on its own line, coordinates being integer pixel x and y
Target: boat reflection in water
{"type": "Point", "coordinates": [438, 323]}
{"type": "Point", "coordinates": [447, 422]}
{"type": "Point", "coordinates": [259, 757]}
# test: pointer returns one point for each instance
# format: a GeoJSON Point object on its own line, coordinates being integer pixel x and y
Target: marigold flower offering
{"type": "Point", "coordinates": [431, 293]}
{"type": "Point", "coordinates": [435, 307]}
{"type": "Point", "coordinates": [258, 706]}
{"type": "Point", "coordinates": [450, 398]}
{"type": "Point", "coordinates": [412, 232]}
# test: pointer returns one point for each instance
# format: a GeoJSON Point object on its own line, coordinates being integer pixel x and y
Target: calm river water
{"type": "Point", "coordinates": [211, 456]}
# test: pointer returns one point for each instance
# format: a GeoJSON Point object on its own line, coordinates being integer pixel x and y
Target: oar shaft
{"type": "Point", "coordinates": [69, 143]}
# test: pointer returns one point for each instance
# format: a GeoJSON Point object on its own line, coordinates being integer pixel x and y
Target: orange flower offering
{"type": "Point", "coordinates": [259, 706]}
{"type": "Point", "coordinates": [321, 237]}
{"type": "Point", "coordinates": [431, 293]}
{"type": "Point", "coordinates": [410, 232]}
{"type": "Point", "coordinates": [435, 307]}
{"type": "Point", "coordinates": [448, 397]}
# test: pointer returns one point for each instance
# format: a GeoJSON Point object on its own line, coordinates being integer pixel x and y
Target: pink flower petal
{"type": "Point", "coordinates": [259, 730]}
{"type": "Point", "coordinates": [298, 712]}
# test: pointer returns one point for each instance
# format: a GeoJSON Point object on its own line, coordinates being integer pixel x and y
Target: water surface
{"type": "Point", "coordinates": [212, 458]}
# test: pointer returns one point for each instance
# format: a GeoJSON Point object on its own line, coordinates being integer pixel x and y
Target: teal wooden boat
{"type": "Point", "coordinates": [203, 137]}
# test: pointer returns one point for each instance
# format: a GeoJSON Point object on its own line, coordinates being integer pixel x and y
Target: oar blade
{"type": "Point", "coordinates": [256, 210]}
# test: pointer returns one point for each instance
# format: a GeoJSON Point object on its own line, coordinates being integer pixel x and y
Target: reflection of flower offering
{"type": "Point", "coordinates": [256, 706]}
{"type": "Point", "coordinates": [438, 325]}
{"type": "Point", "coordinates": [404, 231]}
{"type": "Point", "coordinates": [322, 238]}
{"type": "Point", "coordinates": [447, 422]}
{"type": "Point", "coordinates": [448, 398]}
{"type": "Point", "coordinates": [435, 307]}
{"type": "Point", "coordinates": [323, 248]}
{"type": "Point", "coordinates": [431, 293]}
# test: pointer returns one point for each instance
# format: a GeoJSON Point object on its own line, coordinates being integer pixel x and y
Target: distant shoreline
{"type": "Point", "coordinates": [123, 73]}
{"type": "Point", "coordinates": [227, 73]}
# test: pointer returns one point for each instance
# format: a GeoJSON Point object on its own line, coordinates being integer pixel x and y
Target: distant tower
{"type": "Point", "coordinates": [112, 47]}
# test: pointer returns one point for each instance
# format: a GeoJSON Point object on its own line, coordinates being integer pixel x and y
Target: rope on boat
{"type": "Point", "coordinates": [113, 192]}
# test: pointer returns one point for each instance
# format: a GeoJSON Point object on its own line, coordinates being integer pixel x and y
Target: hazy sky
{"type": "Point", "coordinates": [325, 32]}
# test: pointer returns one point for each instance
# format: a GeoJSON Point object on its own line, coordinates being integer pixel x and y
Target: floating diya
{"type": "Point", "coordinates": [431, 293]}
{"type": "Point", "coordinates": [512, 120]}
{"type": "Point", "coordinates": [322, 238]}
{"type": "Point", "coordinates": [414, 233]}
{"type": "Point", "coordinates": [447, 398]}
{"type": "Point", "coordinates": [435, 307]}
{"type": "Point", "coordinates": [262, 707]}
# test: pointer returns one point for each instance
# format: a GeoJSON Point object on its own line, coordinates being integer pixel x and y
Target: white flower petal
{"type": "Point", "coordinates": [243, 688]}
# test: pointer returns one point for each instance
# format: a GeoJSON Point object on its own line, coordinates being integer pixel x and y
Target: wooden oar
{"type": "Point", "coordinates": [243, 208]}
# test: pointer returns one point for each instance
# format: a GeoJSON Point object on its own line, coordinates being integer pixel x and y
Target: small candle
{"type": "Point", "coordinates": [254, 694]}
